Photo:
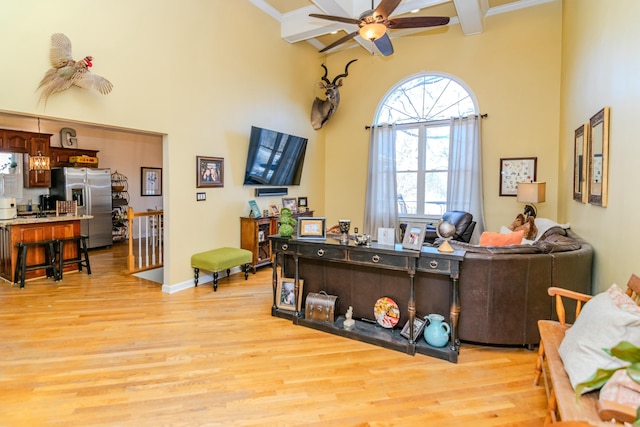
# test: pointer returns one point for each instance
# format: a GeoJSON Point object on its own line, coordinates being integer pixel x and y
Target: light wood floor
{"type": "Point", "coordinates": [114, 350]}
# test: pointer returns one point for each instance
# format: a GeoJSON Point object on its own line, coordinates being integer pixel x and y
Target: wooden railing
{"type": "Point", "coordinates": [146, 240]}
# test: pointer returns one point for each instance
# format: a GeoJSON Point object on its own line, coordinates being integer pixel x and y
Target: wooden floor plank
{"type": "Point", "coordinates": [112, 349]}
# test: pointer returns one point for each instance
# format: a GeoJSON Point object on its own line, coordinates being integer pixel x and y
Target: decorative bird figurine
{"type": "Point", "coordinates": [67, 72]}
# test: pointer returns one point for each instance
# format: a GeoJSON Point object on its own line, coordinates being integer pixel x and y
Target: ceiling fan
{"type": "Point", "coordinates": [374, 23]}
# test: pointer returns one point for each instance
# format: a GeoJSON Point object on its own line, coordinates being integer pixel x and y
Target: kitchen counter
{"type": "Point", "coordinates": [33, 229]}
{"type": "Point", "coordinates": [32, 219]}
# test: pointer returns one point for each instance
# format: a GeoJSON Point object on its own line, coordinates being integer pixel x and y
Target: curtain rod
{"type": "Point", "coordinates": [482, 116]}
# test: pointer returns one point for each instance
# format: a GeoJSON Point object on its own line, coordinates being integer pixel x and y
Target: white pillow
{"type": "Point", "coordinates": [605, 320]}
{"type": "Point", "coordinates": [544, 224]}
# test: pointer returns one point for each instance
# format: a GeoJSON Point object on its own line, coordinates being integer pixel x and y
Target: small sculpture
{"type": "Point", "coordinates": [349, 322]}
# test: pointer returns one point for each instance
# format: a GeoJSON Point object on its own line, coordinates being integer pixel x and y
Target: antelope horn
{"type": "Point", "coordinates": [325, 74]}
{"type": "Point", "coordinates": [346, 72]}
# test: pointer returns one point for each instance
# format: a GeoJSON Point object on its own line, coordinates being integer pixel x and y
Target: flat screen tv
{"type": "Point", "coordinates": [274, 158]}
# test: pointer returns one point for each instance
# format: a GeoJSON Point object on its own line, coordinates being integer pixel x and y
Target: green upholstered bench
{"type": "Point", "coordinates": [220, 259]}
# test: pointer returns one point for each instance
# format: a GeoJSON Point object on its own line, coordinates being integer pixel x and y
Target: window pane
{"type": "Point", "coordinates": [407, 192]}
{"type": "Point", "coordinates": [407, 150]}
{"type": "Point", "coordinates": [435, 192]}
{"type": "Point", "coordinates": [437, 149]}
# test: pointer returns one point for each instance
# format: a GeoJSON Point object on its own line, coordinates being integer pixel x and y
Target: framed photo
{"type": "Point", "coordinates": [418, 326]}
{"type": "Point", "coordinates": [209, 171]}
{"type": "Point", "coordinates": [414, 236]}
{"type": "Point", "coordinates": [514, 170]}
{"type": "Point", "coordinates": [286, 299]}
{"type": "Point", "coordinates": [255, 210]}
{"type": "Point", "coordinates": [275, 211]}
{"type": "Point", "coordinates": [312, 228]}
{"type": "Point", "coordinates": [303, 202]}
{"type": "Point", "coordinates": [290, 203]}
{"type": "Point", "coordinates": [151, 181]}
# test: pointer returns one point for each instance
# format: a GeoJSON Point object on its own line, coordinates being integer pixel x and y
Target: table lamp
{"type": "Point", "coordinates": [530, 193]}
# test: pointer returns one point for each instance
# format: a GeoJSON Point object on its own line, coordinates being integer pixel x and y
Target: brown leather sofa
{"type": "Point", "coordinates": [503, 290]}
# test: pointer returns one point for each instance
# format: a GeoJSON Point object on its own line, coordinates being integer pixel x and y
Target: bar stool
{"type": "Point", "coordinates": [21, 263]}
{"type": "Point", "coordinates": [82, 257]}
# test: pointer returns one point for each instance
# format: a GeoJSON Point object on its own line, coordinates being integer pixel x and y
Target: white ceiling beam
{"type": "Point", "coordinates": [471, 15]}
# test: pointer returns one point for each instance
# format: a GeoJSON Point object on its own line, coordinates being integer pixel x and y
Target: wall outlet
{"type": "Point", "coordinates": [201, 196]}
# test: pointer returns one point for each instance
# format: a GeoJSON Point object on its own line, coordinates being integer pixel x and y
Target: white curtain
{"type": "Point", "coordinates": [381, 206]}
{"type": "Point", "coordinates": [465, 162]}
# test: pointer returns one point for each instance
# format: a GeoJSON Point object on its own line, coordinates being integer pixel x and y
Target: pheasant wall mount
{"type": "Point", "coordinates": [67, 72]}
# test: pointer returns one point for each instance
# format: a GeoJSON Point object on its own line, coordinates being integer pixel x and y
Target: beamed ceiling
{"type": "Point", "coordinates": [297, 26]}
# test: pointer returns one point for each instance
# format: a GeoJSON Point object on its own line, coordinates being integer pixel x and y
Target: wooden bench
{"type": "Point", "coordinates": [220, 259]}
{"type": "Point", "coordinates": [562, 404]}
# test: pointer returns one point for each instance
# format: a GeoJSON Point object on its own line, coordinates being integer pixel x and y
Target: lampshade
{"type": "Point", "coordinates": [531, 192]}
{"type": "Point", "coordinates": [372, 31]}
{"type": "Point", "coordinates": [39, 163]}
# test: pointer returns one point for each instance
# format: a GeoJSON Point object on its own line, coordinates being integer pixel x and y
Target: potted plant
{"type": "Point", "coordinates": [12, 166]}
{"type": "Point", "coordinates": [287, 221]}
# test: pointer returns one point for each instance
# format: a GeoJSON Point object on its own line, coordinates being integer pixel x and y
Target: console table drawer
{"type": "Point", "coordinates": [323, 252]}
{"type": "Point", "coordinates": [382, 260]}
{"type": "Point", "coordinates": [284, 247]}
{"type": "Point", "coordinates": [433, 265]}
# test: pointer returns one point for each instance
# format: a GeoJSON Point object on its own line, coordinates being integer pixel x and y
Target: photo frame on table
{"type": "Point", "coordinates": [275, 211]}
{"type": "Point", "coordinates": [286, 299]}
{"type": "Point", "coordinates": [290, 203]}
{"type": "Point", "coordinates": [303, 202]}
{"type": "Point", "coordinates": [414, 236]}
{"type": "Point", "coordinates": [312, 228]}
{"type": "Point", "coordinates": [209, 171]}
{"type": "Point", "coordinates": [418, 326]}
{"type": "Point", "coordinates": [514, 170]}
{"type": "Point", "coordinates": [150, 181]}
{"type": "Point", "coordinates": [255, 210]}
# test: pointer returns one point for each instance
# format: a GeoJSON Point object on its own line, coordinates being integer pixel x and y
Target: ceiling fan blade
{"type": "Point", "coordinates": [417, 22]}
{"type": "Point", "coordinates": [336, 18]}
{"type": "Point", "coordinates": [384, 45]}
{"type": "Point", "coordinates": [386, 8]}
{"type": "Point", "coordinates": [340, 41]}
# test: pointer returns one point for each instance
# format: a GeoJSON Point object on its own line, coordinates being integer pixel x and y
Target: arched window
{"type": "Point", "coordinates": [421, 107]}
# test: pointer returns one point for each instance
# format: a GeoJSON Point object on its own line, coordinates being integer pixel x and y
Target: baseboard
{"type": "Point", "coordinates": [203, 280]}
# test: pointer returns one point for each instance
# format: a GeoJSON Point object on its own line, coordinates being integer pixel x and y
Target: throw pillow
{"type": "Point", "coordinates": [489, 238]}
{"type": "Point", "coordinates": [605, 320]}
{"type": "Point", "coordinates": [621, 389]}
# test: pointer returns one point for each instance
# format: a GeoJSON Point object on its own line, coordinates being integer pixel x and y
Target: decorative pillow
{"type": "Point", "coordinates": [544, 224]}
{"type": "Point", "coordinates": [605, 320]}
{"type": "Point", "coordinates": [489, 238]}
{"type": "Point", "coordinates": [620, 388]}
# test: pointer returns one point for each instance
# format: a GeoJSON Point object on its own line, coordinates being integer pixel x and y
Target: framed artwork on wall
{"type": "Point", "coordinates": [151, 181]}
{"type": "Point", "coordinates": [209, 171]}
{"type": "Point", "coordinates": [514, 170]}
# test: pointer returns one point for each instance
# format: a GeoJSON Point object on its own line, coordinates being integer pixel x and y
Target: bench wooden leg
{"type": "Point", "coordinates": [539, 364]}
{"type": "Point", "coordinates": [215, 281]}
{"type": "Point", "coordinates": [245, 268]}
{"type": "Point", "coordinates": [196, 273]}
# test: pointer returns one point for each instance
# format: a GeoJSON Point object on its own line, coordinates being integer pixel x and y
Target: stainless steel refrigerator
{"type": "Point", "coordinates": [91, 188]}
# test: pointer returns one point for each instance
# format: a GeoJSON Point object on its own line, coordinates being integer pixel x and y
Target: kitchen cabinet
{"type": "Point", "coordinates": [60, 157]}
{"type": "Point", "coordinates": [16, 141]}
{"type": "Point", "coordinates": [37, 144]}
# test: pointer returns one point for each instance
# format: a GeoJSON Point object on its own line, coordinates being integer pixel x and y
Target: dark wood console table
{"type": "Point", "coordinates": [359, 275]}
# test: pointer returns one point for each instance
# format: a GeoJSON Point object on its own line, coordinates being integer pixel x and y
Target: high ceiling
{"type": "Point", "coordinates": [296, 25]}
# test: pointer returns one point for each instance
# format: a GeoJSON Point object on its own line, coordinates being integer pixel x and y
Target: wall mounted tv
{"type": "Point", "coordinates": [274, 158]}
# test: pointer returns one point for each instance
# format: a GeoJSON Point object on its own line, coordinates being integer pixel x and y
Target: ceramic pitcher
{"type": "Point", "coordinates": [437, 331]}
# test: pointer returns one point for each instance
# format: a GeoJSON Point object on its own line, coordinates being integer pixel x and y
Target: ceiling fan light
{"type": "Point", "coordinates": [372, 31]}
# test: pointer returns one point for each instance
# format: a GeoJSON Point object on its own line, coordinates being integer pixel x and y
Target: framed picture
{"type": "Point", "coordinates": [514, 170]}
{"type": "Point", "coordinates": [312, 228]}
{"type": "Point", "coordinates": [290, 203]}
{"type": "Point", "coordinates": [414, 236]}
{"type": "Point", "coordinates": [580, 163]}
{"type": "Point", "coordinates": [286, 298]}
{"type": "Point", "coordinates": [151, 181]}
{"type": "Point", "coordinates": [275, 211]}
{"type": "Point", "coordinates": [303, 202]}
{"type": "Point", "coordinates": [418, 326]}
{"type": "Point", "coordinates": [209, 171]}
{"type": "Point", "coordinates": [255, 210]}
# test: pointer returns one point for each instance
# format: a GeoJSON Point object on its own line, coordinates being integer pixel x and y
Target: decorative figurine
{"type": "Point", "coordinates": [345, 225]}
{"type": "Point", "coordinates": [349, 322]}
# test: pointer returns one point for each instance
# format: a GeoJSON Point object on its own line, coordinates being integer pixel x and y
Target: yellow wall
{"type": "Point", "coordinates": [601, 65]}
{"type": "Point", "coordinates": [513, 69]}
{"type": "Point", "coordinates": [193, 70]}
